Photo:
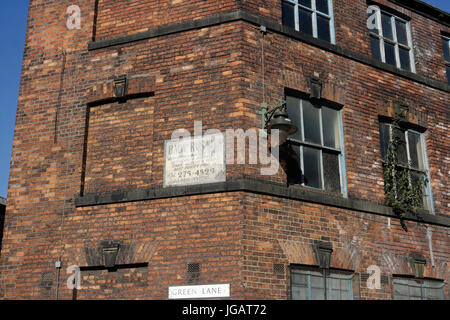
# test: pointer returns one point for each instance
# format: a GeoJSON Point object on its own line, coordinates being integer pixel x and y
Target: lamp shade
{"type": "Point", "coordinates": [282, 123]}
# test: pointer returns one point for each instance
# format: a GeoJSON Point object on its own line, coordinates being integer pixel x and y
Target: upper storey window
{"type": "Point", "coordinates": [317, 159]}
{"type": "Point", "coordinates": [391, 41]}
{"type": "Point", "coordinates": [314, 17]}
{"type": "Point", "coordinates": [446, 48]}
{"type": "Point", "coordinates": [411, 155]}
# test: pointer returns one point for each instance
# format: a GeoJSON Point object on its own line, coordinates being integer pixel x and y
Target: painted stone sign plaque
{"type": "Point", "coordinates": [194, 160]}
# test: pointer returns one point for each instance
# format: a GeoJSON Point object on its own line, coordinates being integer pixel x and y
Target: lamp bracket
{"type": "Point", "coordinates": [268, 114]}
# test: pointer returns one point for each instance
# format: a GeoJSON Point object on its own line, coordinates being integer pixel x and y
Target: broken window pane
{"type": "Point", "coordinates": [446, 49]}
{"type": "Point", "coordinates": [311, 122]}
{"type": "Point", "coordinates": [415, 150]}
{"type": "Point", "coordinates": [331, 173]}
{"type": "Point", "coordinates": [294, 172]}
{"type": "Point", "coordinates": [288, 14]}
{"type": "Point", "coordinates": [401, 148]}
{"type": "Point", "coordinates": [293, 110]}
{"type": "Point", "coordinates": [416, 178]}
{"type": "Point", "coordinates": [330, 125]}
{"type": "Point", "coordinates": [448, 73]}
{"type": "Point", "coordinates": [385, 137]}
{"type": "Point", "coordinates": [312, 170]}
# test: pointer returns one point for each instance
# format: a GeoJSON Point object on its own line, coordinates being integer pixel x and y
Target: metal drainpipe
{"type": "Point", "coordinates": [263, 31]}
{"type": "Point", "coordinates": [430, 244]}
{"type": "Point", "coordinates": [58, 273]}
{"type": "Point", "coordinates": [58, 263]}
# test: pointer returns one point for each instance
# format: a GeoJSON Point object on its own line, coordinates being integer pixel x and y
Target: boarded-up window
{"type": "Point", "coordinates": [119, 146]}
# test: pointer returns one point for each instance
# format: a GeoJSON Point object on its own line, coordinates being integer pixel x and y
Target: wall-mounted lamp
{"type": "Point", "coordinates": [402, 110]}
{"type": "Point", "coordinates": [315, 87]}
{"type": "Point", "coordinates": [418, 261]}
{"type": "Point", "coordinates": [110, 251]}
{"type": "Point", "coordinates": [120, 86]}
{"type": "Point", "coordinates": [277, 118]}
{"type": "Point", "coordinates": [323, 251]}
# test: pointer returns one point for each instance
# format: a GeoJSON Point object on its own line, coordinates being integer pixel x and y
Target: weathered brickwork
{"type": "Point", "coordinates": [118, 18]}
{"type": "Point", "coordinates": [352, 33]}
{"type": "Point", "coordinates": [74, 138]}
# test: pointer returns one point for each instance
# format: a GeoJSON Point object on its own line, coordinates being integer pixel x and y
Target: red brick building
{"type": "Point", "coordinates": [2, 218]}
{"type": "Point", "coordinates": [87, 185]}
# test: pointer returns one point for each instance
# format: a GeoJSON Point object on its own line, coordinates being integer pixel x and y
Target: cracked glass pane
{"type": "Point", "coordinates": [293, 110]}
{"type": "Point", "coordinates": [331, 173]}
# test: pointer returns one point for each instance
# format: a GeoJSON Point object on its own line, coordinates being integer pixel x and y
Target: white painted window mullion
{"type": "Point", "coordinates": [331, 23]}
{"type": "Point", "coordinates": [314, 18]}
{"type": "Point", "coordinates": [410, 44]}
{"type": "Point", "coordinates": [396, 46]}
{"type": "Point", "coordinates": [381, 37]}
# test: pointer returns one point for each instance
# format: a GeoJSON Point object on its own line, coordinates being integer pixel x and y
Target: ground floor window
{"type": "Point", "coordinates": [418, 289]}
{"type": "Point", "coordinates": [318, 284]}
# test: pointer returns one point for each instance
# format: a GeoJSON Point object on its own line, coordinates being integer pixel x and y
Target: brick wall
{"type": "Point", "coordinates": [73, 138]}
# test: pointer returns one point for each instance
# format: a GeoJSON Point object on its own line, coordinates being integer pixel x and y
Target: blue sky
{"type": "Point", "coordinates": [13, 16]}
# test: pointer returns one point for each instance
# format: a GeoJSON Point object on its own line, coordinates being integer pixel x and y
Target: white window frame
{"type": "Point", "coordinates": [395, 42]}
{"type": "Point", "coordinates": [428, 194]}
{"type": "Point", "coordinates": [341, 151]}
{"type": "Point", "coordinates": [315, 13]}
{"type": "Point", "coordinates": [447, 63]}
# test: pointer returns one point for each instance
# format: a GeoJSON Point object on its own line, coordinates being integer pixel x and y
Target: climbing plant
{"type": "Point", "coordinates": [401, 194]}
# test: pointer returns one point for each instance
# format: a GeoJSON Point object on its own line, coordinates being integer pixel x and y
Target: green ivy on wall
{"type": "Point", "coordinates": [400, 194]}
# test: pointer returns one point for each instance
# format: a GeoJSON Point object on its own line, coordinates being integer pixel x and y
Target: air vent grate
{"type": "Point", "coordinates": [193, 272]}
{"type": "Point", "coordinates": [278, 268]}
